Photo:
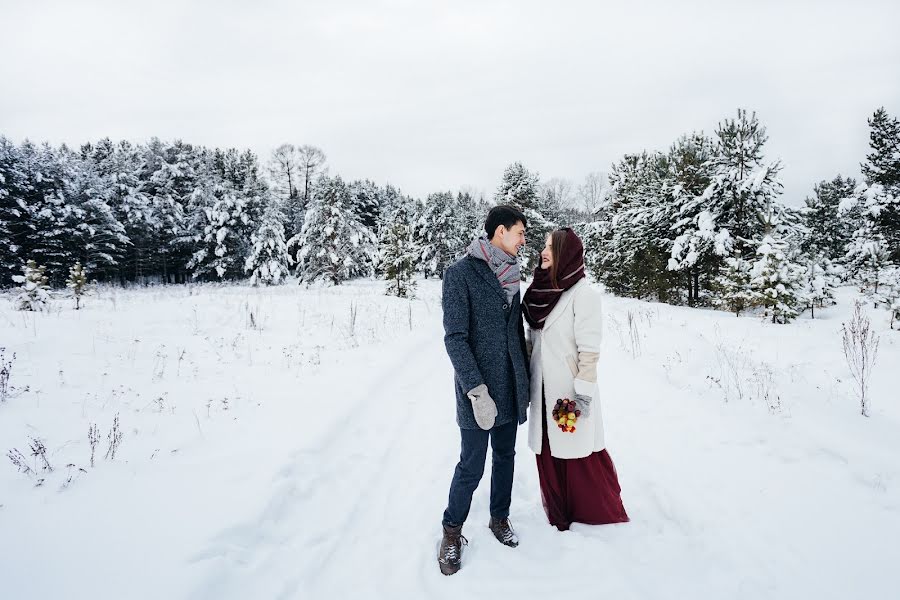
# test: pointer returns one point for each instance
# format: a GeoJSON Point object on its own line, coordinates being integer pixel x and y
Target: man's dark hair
{"type": "Point", "coordinates": [503, 215]}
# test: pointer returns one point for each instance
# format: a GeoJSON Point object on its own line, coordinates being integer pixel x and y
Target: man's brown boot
{"type": "Point", "coordinates": [502, 530]}
{"type": "Point", "coordinates": [450, 554]}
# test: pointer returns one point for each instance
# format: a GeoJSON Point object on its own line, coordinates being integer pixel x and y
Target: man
{"type": "Point", "coordinates": [485, 339]}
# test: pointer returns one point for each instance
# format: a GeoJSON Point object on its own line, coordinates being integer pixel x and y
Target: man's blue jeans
{"type": "Point", "coordinates": [471, 467]}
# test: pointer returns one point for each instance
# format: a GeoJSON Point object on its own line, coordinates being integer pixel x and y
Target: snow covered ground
{"type": "Point", "coordinates": [294, 443]}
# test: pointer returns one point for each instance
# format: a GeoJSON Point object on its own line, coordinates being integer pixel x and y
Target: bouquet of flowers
{"type": "Point", "coordinates": [566, 414]}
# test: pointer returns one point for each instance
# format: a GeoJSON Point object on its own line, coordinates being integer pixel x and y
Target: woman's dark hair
{"type": "Point", "coordinates": [503, 215]}
{"type": "Point", "coordinates": [557, 248]}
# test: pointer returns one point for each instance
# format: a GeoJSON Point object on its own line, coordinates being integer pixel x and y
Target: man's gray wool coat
{"type": "Point", "coordinates": [485, 340]}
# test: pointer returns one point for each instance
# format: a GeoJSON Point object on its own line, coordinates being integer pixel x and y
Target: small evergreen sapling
{"type": "Point", "coordinates": [399, 253]}
{"type": "Point", "coordinates": [34, 293]}
{"type": "Point", "coordinates": [892, 294]}
{"type": "Point", "coordinates": [733, 286]}
{"type": "Point", "coordinates": [775, 281]}
{"type": "Point", "coordinates": [818, 285]}
{"type": "Point", "coordinates": [77, 282]}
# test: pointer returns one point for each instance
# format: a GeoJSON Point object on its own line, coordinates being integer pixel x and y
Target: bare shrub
{"type": "Point", "coordinates": [20, 462]}
{"type": "Point", "coordinates": [634, 333]}
{"type": "Point", "coordinates": [764, 387]}
{"type": "Point", "coordinates": [741, 378]}
{"type": "Point", "coordinates": [159, 363]}
{"type": "Point", "coordinates": [39, 451]}
{"type": "Point", "coordinates": [860, 349]}
{"type": "Point", "coordinates": [70, 475]}
{"type": "Point", "coordinates": [114, 439]}
{"type": "Point", "coordinates": [180, 358]}
{"type": "Point", "coordinates": [354, 311]}
{"type": "Point", "coordinates": [93, 440]}
{"type": "Point", "coordinates": [733, 365]}
{"type": "Point", "coordinates": [629, 334]}
{"type": "Point", "coordinates": [8, 390]}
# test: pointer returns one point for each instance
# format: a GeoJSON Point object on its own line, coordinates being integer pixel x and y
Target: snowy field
{"type": "Point", "coordinates": [294, 443]}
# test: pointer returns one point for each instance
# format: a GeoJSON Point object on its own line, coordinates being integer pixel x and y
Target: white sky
{"type": "Point", "coordinates": [440, 95]}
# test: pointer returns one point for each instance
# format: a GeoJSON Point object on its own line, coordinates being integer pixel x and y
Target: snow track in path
{"type": "Point", "coordinates": [335, 510]}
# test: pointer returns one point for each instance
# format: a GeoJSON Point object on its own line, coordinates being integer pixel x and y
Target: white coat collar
{"type": "Point", "coordinates": [564, 301]}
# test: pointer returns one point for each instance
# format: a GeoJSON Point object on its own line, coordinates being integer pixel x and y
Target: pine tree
{"type": "Point", "coordinates": [521, 188]}
{"type": "Point", "coordinates": [34, 293]}
{"type": "Point", "coordinates": [775, 281]}
{"type": "Point", "coordinates": [96, 236]}
{"type": "Point", "coordinates": [472, 216]}
{"type": "Point", "coordinates": [595, 235]}
{"type": "Point", "coordinates": [365, 202]}
{"type": "Point", "coordinates": [696, 252]}
{"type": "Point", "coordinates": [882, 173]}
{"type": "Point", "coordinates": [333, 245]}
{"type": "Point", "coordinates": [867, 261]}
{"type": "Point", "coordinates": [222, 238]}
{"type": "Point", "coordinates": [223, 213]}
{"type": "Point", "coordinates": [442, 232]}
{"type": "Point", "coordinates": [119, 166]}
{"type": "Point", "coordinates": [635, 237]}
{"type": "Point", "coordinates": [268, 262]}
{"type": "Point", "coordinates": [77, 282]}
{"type": "Point", "coordinates": [775, 277]}
{"type": "Point", "coordinates": [818, 284]}
{"type": "Point", "coordinates": [828, 229]}
{"type": "Point", "coordinates": [14, 212]}
{"type": "Point", "coordinates": [732, 286]}
{"type": "Point", "coordinates": [172, 175]}
{"type": "Point", "coordinates": [44, 235]}
{"type": "Point", "coordinates": [741, 211]}
{"type": "Point", "coordinates": [892, 294]}
{"type": "Point", "coordinates": [742, 184]}
{"type": "Point", "coordinates": [399, 252]}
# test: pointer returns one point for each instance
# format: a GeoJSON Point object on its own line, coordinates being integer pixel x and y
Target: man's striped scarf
{"type": "Point", "coordinates": [504, 265]}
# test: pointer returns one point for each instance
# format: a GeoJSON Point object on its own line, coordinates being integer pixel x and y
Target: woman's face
{"type": "Point", "coordinates": [547, 254]}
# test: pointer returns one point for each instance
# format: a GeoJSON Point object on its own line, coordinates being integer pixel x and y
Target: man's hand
{"type": "Point", "coordinates": [484, 407]}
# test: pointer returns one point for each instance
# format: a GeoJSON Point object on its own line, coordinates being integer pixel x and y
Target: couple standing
{"type": "Point", "coordinates": [499, 372]}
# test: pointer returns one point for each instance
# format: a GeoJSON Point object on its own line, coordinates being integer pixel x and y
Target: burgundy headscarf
{"type": "Point", "coordinates": [542, 296]}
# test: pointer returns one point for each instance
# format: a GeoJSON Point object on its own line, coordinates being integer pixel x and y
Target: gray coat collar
{"type": "Point", "coordinates": [484, 270]}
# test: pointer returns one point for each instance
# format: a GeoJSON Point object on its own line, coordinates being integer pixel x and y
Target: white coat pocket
{"type": "Point", "coordinates": [573, 364]}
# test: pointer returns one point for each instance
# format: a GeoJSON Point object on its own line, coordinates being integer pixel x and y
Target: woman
{"type": "Point", "coordinates": [577, 477]}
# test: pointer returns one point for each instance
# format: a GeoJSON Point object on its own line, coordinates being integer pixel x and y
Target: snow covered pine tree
{"type": "Point", "coordinates": [399, 252]}
{"type": "Point", "coordinates": [268, 260]}
{"type": "Point", "coordinates": [34, 293]}
{"type": "Point", "coordinates": [77, 282]}
{"type": "Point", "coordinates": [333, 244]}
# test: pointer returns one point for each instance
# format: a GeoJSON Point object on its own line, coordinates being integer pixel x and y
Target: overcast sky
{"type": "Point", "coordinates": [440, 95]}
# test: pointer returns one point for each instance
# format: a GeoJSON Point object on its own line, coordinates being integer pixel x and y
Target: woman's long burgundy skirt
{"type": "Point", "coordinates": [578, 490]}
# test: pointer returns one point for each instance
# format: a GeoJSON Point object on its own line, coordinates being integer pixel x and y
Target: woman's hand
{"type": "Point", "coordinates": [584, 396]}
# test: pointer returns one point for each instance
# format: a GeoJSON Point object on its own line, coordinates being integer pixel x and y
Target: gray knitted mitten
{"type": "Point", "coordinates": [484, 407]}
